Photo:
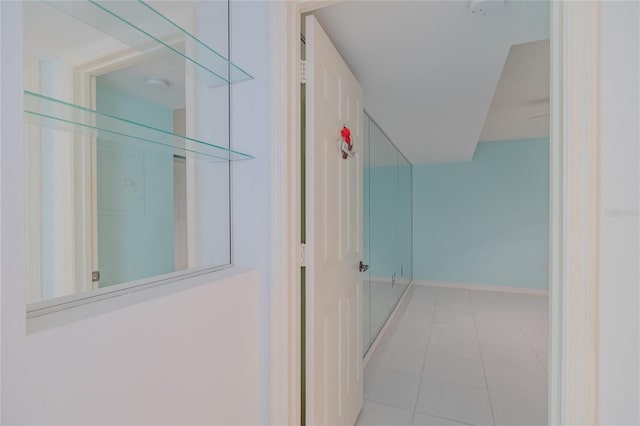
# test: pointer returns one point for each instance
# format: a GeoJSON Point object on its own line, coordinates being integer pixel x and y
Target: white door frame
{"type": "Point", "coordinates": [574, 216]}
{"type": "Point", "coordinates": [89, 63]}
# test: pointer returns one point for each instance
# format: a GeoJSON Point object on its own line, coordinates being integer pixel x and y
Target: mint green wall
{"type": "Point", "coordinates": [135, 194]}
{"type": "Point", "coordinates": [383, 222]}
{"type": "Point", "coordinates": [485, 221]}
{"type": "Point", "coordinates": [405, 222]}
{"type": "Point", "coordinates": [387, 221]}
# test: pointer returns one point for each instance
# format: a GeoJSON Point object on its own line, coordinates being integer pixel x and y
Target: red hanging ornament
{"type": "Point", "coordinates": [346, 137]}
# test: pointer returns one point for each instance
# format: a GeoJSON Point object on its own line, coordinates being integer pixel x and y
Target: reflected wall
{"type": "Point", "coordinates": [387, 229]}
{"type": "Point", "coordinates": [127, 144]}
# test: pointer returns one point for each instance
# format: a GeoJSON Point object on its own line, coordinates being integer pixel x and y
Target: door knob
{"type": "Point", "coordinates": [363, 267]}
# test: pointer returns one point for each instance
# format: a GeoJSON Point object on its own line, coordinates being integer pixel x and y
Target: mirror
{"type": "Point", "coordinates": [366, 234]}
{"type": "Point", "coordinates": [388, 246]}
{"type": "Point", "coordinates": [405, 221]}
{"type": "Point", "coordinates": [127, 143]}
{"type": "Point", "coordinates": [383, 198]}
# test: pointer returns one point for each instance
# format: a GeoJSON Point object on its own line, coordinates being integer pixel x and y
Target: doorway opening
{"type": "Point", "coordinates": [543, 265]}
{"type": "Point", "coordinates": [573, 222]}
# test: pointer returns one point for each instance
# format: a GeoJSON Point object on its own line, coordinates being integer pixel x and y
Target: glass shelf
{"type": "Point", "coordinates": [143, 28]}
{"type": "Point", "coordinates": [49, 112]}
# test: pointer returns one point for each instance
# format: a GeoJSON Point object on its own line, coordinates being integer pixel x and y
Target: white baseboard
{"type": "Point", "coordinates": [379, 279]}
{"type": "Point", "coordinates": [483, 287]}
{"type": "Point", "coordinates": [387, 280]}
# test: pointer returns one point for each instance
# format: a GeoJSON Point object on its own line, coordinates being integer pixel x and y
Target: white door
{"type": "Point", "coordinates": [334, 235]}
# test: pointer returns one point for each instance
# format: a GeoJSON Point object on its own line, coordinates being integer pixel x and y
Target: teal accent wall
{"type": "Point", "coordinates": [135, 194]}
{"type": "Point", "coordinates": [405, 221]}
{"type": "Point", "coordinates": [366, 218]}
{"type": "Point", "coordinates": [485, 221]}
{"type": "Point", "coordinates": [383, 222]}
{"type": "Point", "coordinates": [387, 221]}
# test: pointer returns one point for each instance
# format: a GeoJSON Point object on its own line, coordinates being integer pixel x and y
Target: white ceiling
{"type": "Point", "coordinates": [429, 69]}
{"type": "Point", "coordinates": [50, 33]}
{"type": "Point", "coordinates": [132, 80]}
{"type": "Point", "coordinates": [44, 38]}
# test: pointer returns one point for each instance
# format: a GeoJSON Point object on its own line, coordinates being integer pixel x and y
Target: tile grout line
{"type": "Point", "coordinates": [421, 380]}
{"type": "Point", "coordinates": [447, 418]}
{"type": "Point", "coordinates": [484, 371]}
{"type": "Point", "coordinates": [424, 361]}
{"type": "Point", "coordinates": [386, 404]}
{"type": "Point", "coordinates": [387, 333]}
{"type": "Point", "coordinates": [526, 336]}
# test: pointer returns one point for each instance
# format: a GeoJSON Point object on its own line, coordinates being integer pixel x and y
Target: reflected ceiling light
{"type": "Point", "coordinates": [157, 82]}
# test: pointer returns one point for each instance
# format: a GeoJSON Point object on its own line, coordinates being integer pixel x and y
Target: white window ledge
{"type": "Point", "coordinates": [61, 311]}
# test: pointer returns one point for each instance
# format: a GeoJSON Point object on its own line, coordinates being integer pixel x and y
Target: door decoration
{"type": "Point", "coordinates": [347, 145]}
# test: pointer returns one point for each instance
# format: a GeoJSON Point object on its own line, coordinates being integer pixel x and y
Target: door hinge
{"type": "Point", "coordinates": [302, 258]}
{"type": "Point", "coordinates": [95, 276]}
{"type": "Point", "coordinates": [303, 71]}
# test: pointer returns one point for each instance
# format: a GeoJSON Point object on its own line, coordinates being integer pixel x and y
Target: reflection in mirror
{"type": "Point", "coordinates": [405, 221]}
{"type": "Point", "coordinates": [387, 229]}
{"type": "Point", "coordinates": [137, 195]}
{"type": "Point", "coordinates": [127, 148]}
{"type": "Point", "coordinates": [383, 175]}
{"type": "Point", "coordinates": [366, 232]}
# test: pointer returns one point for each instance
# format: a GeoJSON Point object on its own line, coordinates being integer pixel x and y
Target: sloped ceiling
{"type": "Point", "coordinates": [429, 69]}
{"type": "Point", "coordinates": [520, 106]}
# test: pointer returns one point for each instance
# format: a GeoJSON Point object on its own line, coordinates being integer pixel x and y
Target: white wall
{"type": "Point", "coordinates": [190, 357]}
{"type": "Point", "coordinates": [196, 352]}
{"type": "Point", "coordinates": [250, 130]}
{"type": "Point", "coordinates": [619, 279]}
{"type": "Point", "coordinates": [11, 178]}
{"type": "Point", "coordinates": [3, 158]}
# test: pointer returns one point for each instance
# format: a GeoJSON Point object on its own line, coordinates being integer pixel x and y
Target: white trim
{"type": "Point", "coordinates": [285, 207]}
{"type": "Point", "coordinates": [59, 198]}
{"type": "Point", "coordinates": [33, 185]}
{"type": "Point", "coordinates": [278, 308]}
{"type": "Point", "coordinates": [574, 221]}
{"type": "Point", "coordinates": [285, 213]}
{"type": "Point", "coordinates": [193, 216]}
{"type": "Point", "coordinates": [388, 280]}
{"type": "Point", "coordinates": [87, 204]}
{"type": "Point", "coordinates": [112, 301]}
{"type": "Point", "coordinates": [555, 221]}
{"type": "Point", "coordinates": [48, 306]}
{"type": "Point", "coordinates": [188, 22]}
{"type": "Point", "coordinates": [483, 287]}
{"type": "Point", "coordinates": [13, 213]}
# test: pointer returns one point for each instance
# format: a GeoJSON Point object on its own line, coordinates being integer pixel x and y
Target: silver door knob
{"type": "Point", "coordinates": [363, 267]}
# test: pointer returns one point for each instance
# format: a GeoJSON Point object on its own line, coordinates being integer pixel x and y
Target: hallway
{"type": "Point", "coordinates": [454, 356]}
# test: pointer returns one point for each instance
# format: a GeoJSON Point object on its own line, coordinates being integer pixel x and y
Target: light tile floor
{"type": "Point", "coordinates": [460, 357]}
